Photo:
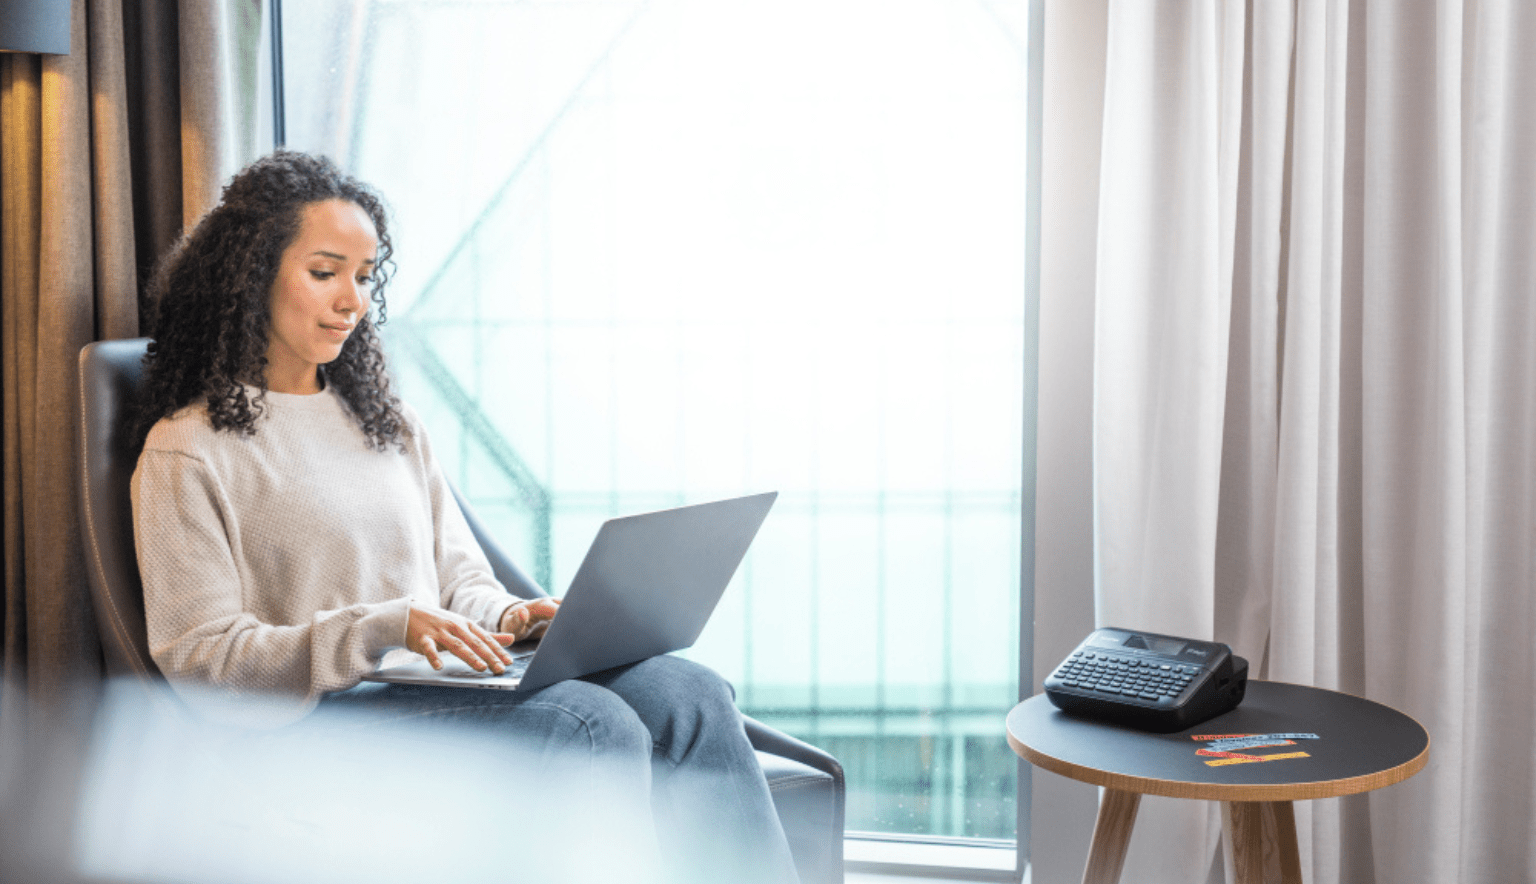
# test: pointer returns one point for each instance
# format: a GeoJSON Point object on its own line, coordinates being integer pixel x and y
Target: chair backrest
{"type": "Point", "coordinates": [508, 574]}
{"type": "Point", "coordinates": [111, 373]}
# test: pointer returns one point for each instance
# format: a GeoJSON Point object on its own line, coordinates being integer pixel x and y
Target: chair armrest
{"type": "Point", "coordinates": [812, 812]}
{"type": "Point", "coordinates": [767, 739]}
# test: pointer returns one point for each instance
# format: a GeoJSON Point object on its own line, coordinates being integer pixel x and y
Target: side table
{"type": "Point", "coordinates": [1284, 743]}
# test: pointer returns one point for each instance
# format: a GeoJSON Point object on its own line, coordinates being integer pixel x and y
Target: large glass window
{"type": "Point", "coordinates": [654, 253]}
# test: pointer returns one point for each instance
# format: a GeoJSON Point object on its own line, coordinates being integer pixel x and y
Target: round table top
{"type": "Point", "coordinates": [1338, 745]}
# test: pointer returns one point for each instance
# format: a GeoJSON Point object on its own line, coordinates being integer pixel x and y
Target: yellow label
{"type": "Point", "coordinates": [1250, 760]}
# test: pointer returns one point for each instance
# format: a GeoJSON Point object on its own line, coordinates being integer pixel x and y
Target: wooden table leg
{"type": "Point", "coordinates": [1256, 835]}
{"type": "Point", "coordinates": [1111, 836]}
{"type": "Point", "coordinates": [1285, 841]}
{"type": "Point", "coordinates": [1242, 841]}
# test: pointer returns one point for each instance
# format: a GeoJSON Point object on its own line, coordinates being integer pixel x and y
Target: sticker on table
{"type": "Point", "coordinates": [1224, 749]}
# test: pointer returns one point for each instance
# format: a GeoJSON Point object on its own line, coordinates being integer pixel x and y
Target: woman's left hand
{"type": "Point", "coordinates": [528, 618]}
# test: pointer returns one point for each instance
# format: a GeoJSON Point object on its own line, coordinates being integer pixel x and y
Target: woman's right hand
{"type": "Point", "coordinates": [529, 618]}
{"type": "Point", "coordinates": [429, 631]}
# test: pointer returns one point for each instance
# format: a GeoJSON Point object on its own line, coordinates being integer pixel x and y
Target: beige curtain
{"type": "Point", "coordinates": [106, 153]}
{"type": "Point", "coordinates": [1314, 395]}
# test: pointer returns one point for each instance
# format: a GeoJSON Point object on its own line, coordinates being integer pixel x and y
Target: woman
{"type": "Point", "coordinates": [295, 533]}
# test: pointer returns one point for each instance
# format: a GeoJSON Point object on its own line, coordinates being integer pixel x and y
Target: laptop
{"type": "Point", "coordinates": [646, 587]}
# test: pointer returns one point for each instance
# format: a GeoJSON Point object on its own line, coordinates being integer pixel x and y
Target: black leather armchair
{"type": "Point", "coordinates": [807, 783]}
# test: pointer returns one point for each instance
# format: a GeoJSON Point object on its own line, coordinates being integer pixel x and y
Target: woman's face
{"type": "Point", "coordinates": [320, 293]}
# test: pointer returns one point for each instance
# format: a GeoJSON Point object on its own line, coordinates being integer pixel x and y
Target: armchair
{"type": "Point", "coordinates": [806, 783]}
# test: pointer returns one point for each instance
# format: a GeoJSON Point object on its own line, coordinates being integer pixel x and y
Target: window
{"type": "Point", "coordinates": [653, 253]}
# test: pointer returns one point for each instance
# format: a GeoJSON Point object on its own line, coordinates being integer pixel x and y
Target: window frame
{"type": "Point", "coordinates": [971, 859]}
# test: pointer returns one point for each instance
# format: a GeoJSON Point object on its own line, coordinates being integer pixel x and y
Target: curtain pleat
{"type": "Point", "coordinates": [1499, 128]}
{"type": "Point", "coordinates": [1355, 336]}
{"type": "Point", "coordinates": [116, 265]}
{"type": "Point", "coordinates": [62, 648]}
{"type": "Point", "coordinates": [154, 112]}
{"type": "Point", "coordinates": [21, 105]}
{"type": "Point", "coordinates": [219, 42]}
{"type": "Point", "coordinates": [20, 165]}
{"type": "Point", "coordinates": [1163, 304]}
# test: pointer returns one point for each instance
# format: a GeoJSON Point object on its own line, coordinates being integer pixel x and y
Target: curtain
{"type": "Point", "coordinates": [1315, 392]}
{"type": "Point", "coordinates": [106, 153]}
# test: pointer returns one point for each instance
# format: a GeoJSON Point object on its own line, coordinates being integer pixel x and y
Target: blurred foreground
{"type": "Point", "coordinates": [136, 788]}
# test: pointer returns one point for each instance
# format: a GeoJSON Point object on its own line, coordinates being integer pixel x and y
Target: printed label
{"type": "Point", "coordinates": [1248, 759]}
{"type": "Point", "coordinates": [1225, 749]}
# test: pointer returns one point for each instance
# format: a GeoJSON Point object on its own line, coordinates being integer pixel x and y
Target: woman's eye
{"type": "Point", "coordinates": [321, 275]}
{"type": "Point", "coordinates": [365, 280]}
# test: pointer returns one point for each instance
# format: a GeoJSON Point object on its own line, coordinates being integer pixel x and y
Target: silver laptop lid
{"type": "Point", "coordinates": [647, 586]}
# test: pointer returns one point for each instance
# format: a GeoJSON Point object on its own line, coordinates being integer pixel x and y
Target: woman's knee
{"type": "Point", "coordinates": [672, 683]}
{"type": "Point", "coordinates": [685, 705]}
{"type": "Point", "coordinates": [697, 679]}
{"type": "Point", "coordinates": [610, 727]}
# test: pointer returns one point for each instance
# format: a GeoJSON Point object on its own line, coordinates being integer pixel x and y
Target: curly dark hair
{"type": "Point", "coordinates": [210, 302]}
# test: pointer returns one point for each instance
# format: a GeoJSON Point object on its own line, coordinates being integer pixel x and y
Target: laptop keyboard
{"type": "Point", "coordinates": [516, 668]}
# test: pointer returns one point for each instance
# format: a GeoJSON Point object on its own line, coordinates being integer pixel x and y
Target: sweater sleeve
{"type": "Point", "coordinates": [200, 631]}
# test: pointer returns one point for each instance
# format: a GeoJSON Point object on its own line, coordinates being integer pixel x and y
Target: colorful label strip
{"type": "Point", "coordinates": [1227, 749]}
{"type": "Point", "coordinates": [1237, 744]}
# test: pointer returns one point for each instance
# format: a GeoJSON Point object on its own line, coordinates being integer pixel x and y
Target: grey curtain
{"type": "Point", "coordinates": [107, 152]}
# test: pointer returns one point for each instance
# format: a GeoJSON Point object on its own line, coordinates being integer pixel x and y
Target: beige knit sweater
{"type": "Point", "coordinates": [283, 563]}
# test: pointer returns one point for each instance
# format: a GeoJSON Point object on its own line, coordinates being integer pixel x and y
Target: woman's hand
{"type": "Point", "coordinates": [431, 630]}
{"type": "Point", "coordinates": [528, 618]}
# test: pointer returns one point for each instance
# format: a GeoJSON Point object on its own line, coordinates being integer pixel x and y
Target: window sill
{"type": "Point", "coordinates": [870, 857]}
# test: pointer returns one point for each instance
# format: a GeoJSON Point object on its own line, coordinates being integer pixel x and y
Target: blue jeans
{"type": "Point", "coordinates": [663, 733]}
